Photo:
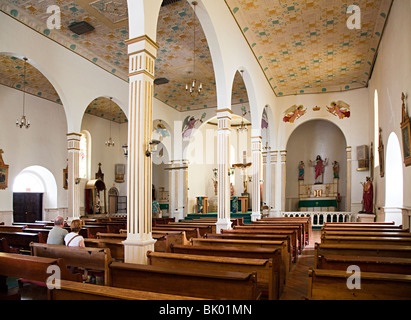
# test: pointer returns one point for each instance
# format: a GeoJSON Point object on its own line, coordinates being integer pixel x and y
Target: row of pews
{"type": "Point", "coordinates": [190, 261]}
{"type": "Point", "coordinates": [361, 261]}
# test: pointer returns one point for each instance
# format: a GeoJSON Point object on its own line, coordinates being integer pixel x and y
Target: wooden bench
{"type": "Point", "coordinates": [191, 232]}
{"type": "Point", "coordinates": [264, 228]}
{"type": "Point", "coordinates": [30, 268]}
{"type": "Point", "coordinates": [332, 285]}
{"type": "Point", "coordinates": [268, 273]}
{"type": "Point", "coordinates": [354, 233]}
{"type": "Point", "coordinates": [382, 240]}
{"type": "Point", "coordinates": [115, 245]}
{"type": "Point", "coordinates": [291, 233]}
{"type": "Point", "coordinates": [305, 221]}
{"type": "Point", "coordinates": [21, 240]}
{"type": "Point", "coordinates": [259, 237]}
{"type": "Point", "coordinates": [202, 227]}
{"type": "Point", "coordinates": [364, 229]}
{"type": "Point", "coordinates": [93, 259]}
{"type": "Point", "coordinates": [11, 228]}
{"type": "Point", "coordinates": [365, 263]}
{"type": "Point", "coordinates": [70, 290]}
{"type": "Point", "coordinates": [376, 250]}
{"type": "Point", "coordinates": [282, 245]}
{"type": "Point", "coordinates": [210, 284]}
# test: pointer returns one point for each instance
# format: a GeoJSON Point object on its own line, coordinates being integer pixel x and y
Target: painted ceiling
{"type": "Point", "coordinates": [302, 47]}
{"type": "Point", "coordinates": [307, 47]}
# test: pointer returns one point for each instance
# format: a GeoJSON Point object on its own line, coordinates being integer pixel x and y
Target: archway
{"type": "Point", "coordinates": [34, 195]}
{"type": "Point", "coordinates": [307, 141]}
{"type": "Point", "coordinates": [394, 191]}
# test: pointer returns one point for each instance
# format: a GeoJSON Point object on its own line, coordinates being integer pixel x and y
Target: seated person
{"type": "Point", "coordinates": [57, 233]}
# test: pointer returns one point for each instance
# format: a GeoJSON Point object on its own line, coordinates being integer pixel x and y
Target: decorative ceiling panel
{"type": "Point", "coordinates": [104, 108]}
{"type": "Point", "coordinates": [12, 75]}
{"type": "Point", "coordinates": [306, 46]}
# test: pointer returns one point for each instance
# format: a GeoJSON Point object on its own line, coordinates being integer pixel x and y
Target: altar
{"type": "Point", "coordinates": [318, 197]}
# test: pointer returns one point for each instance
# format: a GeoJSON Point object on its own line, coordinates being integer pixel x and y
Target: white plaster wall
{"type": "Point", "coordinates": [391, 77]}
{"type": "Point", "coordinates": [43, 144]}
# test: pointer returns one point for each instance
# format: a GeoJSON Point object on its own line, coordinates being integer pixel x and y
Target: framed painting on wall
{"type": "Point", "coordinates": [406, 134]}
{"type": "Point", "coordinates": [65, 178]}
{"type": "Point", "coordinates": [4, 172]}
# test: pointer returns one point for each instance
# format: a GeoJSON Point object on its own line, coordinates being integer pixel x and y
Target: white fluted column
{"type": "Point", "coordinates": [348, 203]}
{"type": "Point", "coordinates": [142, 53]}
{"type": "Point", "coordinates": [256, 177]}
{"type": "Point", "coordinates": [223, 161]}
{"type": "Point", "coordinates": [73, 199]}
{"type": "Point", "coordinates": [283, 159]}
{"type": "Point", "coordinates": [178, 186]}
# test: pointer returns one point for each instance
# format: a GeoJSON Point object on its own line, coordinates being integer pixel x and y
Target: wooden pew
{"type": "Point", "coordinates": [332, 285]}
{"type": "Point", "coordinates": [362, 224]}
{"type": "Point", "coordinates": [202, 227]}
{"type": "Point", "coordinates": [70, 290]}
{"type": "Point", "coordinates": [262, 229]}
{"type": "Point", "coordinates": [364, 229]}
{"type": "Point", "coordinates": [303, 236]}
{"type": "Point", "coordinates": [354, 233]}
{"type": "Point", "coordinates": [282, 245]}
{"type": "Point", "coordinates": [21, 240]}
{"type": "Point", "coordinates": [305, 220]}
{"type": "Point", "coordinates": [365, 263]}
{"type": "Point", "coordinates": [30, 268]}
{"type": "Point", "coordinates": [360, 240]}
{"type": "Point", "coordinates": [258, 237]}
{"type": "Point", "coordinates": [4, 247]}
{"type": "Point", "coordinates": [210, 284]}
{"type": "Point", "coordinates": [11, 228]}
{"type": "Point", "coordinates": [191, 232]}
{"type": "Point", "coordinates": [291, 233]}
{"type": "Point", "coordinates": [376, 250]}
{"type": "Point", "coordinates": [93, 259]}
{"type": "Point", "coordinates": [268, 273]}
{"type": "Point", "coordinates": [44, 232]}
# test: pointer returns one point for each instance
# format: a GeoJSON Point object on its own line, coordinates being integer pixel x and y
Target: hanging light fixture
{"type": "Point", "coordinates": [243, 126]}
{"type": "Point", "coordinates": [192, 87]}
{"type": "Point", "coordinates": [110, 142]}
{"type": "Point", "coordinates": [23, 122]}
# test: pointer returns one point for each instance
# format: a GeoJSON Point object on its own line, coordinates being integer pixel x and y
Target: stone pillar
{"type": "Point", "coordinates": [348, 203]}
{"type": "Point", "coordinates": [142, 53]}
{"type": "Point", "coordinates": [223, 161]}
{"type": "Point", "coordinates": [73, 199]}
{"type": "Point", "coordinates": [256, 177]}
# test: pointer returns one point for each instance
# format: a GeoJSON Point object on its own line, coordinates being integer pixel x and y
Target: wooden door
{"type": "Point", "coordinates": [27, 207]}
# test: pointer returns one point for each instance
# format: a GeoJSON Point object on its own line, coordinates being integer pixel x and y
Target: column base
{"type": "Point", "coordinates": [223, 224]}
{"type": "Point", "coordinates": [255, 216]}
{"type": "Point", "coordinates": [135, 250]}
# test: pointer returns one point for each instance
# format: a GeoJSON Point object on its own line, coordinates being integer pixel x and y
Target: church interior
{"type": "Point", "coordinates": [254, 124]}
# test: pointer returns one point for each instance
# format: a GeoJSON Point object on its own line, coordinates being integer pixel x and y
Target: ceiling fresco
{"type": "Point", "coordinates": [301, 46]}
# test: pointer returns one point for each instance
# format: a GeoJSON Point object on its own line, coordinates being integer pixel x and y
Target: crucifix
{"type": "Point", "coordinates": [243, 166]}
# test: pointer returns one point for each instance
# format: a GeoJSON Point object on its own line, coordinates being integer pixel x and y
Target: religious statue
{"type": "Point", "coordinates": [319, 166]}
{"type": "Point", "coordinates": [301, 171]}
{"type": "Point", "coordinates": [367, 196]}
{"type": "Point", "coordinates": [336, 169]}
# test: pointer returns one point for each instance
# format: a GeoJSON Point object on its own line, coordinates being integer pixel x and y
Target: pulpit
{"type": "Point", "coordinates": [93, 202]}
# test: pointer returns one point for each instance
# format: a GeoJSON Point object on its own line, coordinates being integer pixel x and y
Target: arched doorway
{"type": "Point", "coordinates": [309, 140]}
{"type": "Point", "coordinates": [34, 189]}
{"type": "Point", "coordinates": [393, 181]}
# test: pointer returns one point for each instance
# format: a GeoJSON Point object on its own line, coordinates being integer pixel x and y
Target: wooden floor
{"type": "Point", "coordinates": [297, 284]}
{"type": "Point", "coordinates": [295, 289]}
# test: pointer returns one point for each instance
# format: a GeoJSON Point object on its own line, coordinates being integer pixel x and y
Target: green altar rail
{"type": "Point", "coordinates": [317, 203]}
{"type": "Point", "coordinates": [246, 216]}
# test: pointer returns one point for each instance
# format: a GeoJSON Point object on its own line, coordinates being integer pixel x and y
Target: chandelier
{"type": "Point", "coordinates": [110, 142]}
{"type": "Point", "coordinates": [192, 87]}
{"type": "Point", "coordinates": [23, 122]}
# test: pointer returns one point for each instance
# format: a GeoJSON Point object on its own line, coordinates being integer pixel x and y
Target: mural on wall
{"type": "Point", "coordinates": [339, 109]}
{"type": "Point", "coordinates": [4, 172]}
{"type": "Point", "coordinates": [189, 124]}
{"type": "Point", "coordinates": [293, 113]}
{"type": "Point", "coordinates": [161, 130]}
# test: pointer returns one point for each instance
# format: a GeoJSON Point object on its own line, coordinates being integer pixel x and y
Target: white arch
{"type": "Point", "coordinates": [394, 192]}
{"type": "Point", "coordinates": [48, 181]}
